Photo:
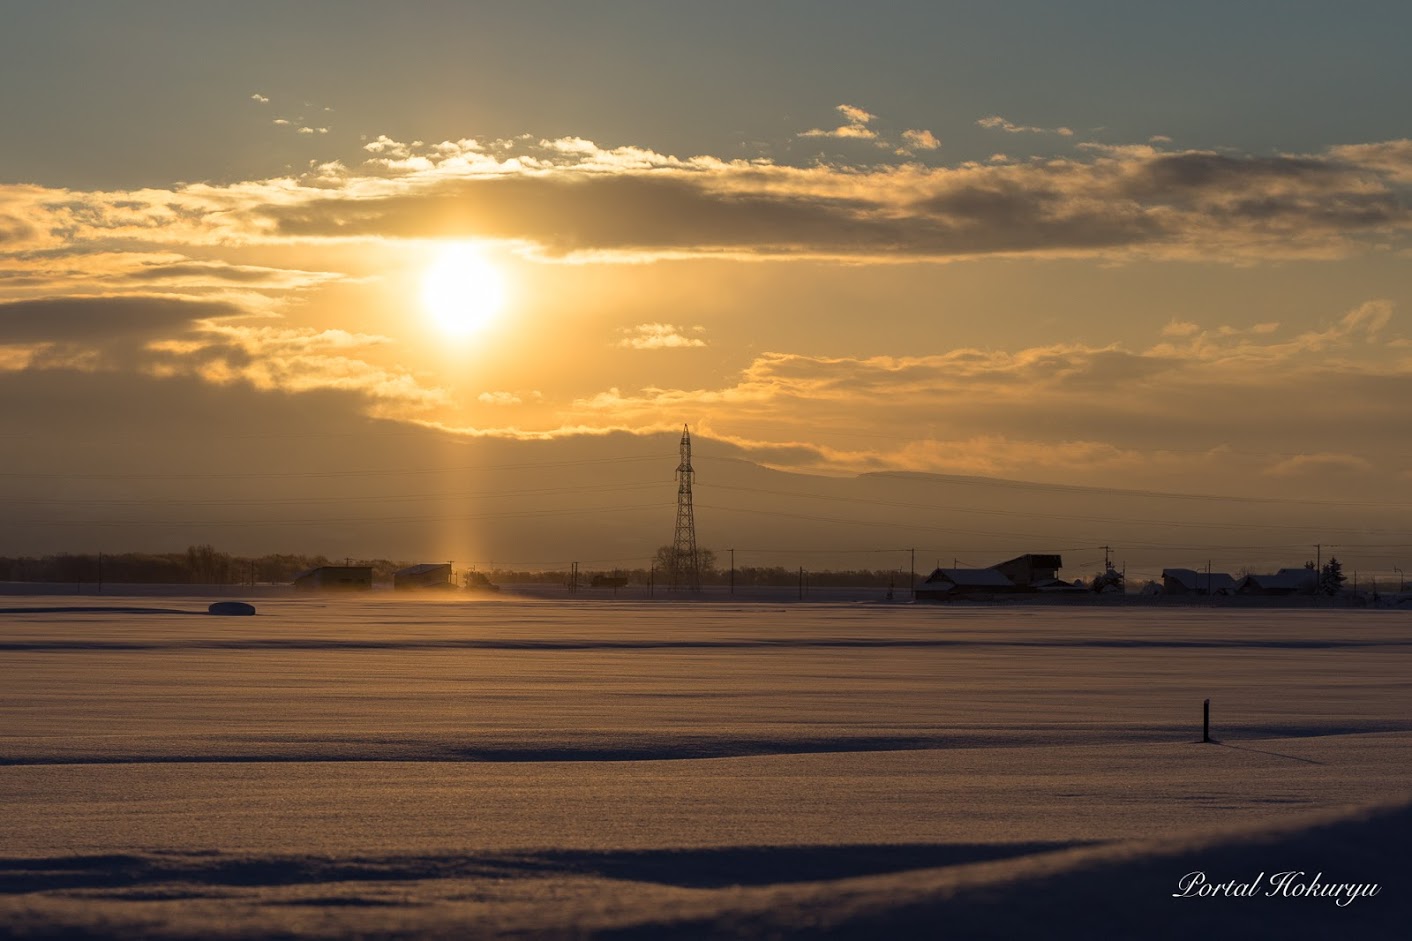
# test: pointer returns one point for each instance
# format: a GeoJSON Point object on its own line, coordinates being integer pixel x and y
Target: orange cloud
{"type": "Point", "coordinates": [659, 336]}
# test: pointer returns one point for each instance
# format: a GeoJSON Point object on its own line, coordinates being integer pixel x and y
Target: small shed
{"type": "Point", "coordinates": [425, 575]}
{"type": "Point", "coordinates": [335, 578]}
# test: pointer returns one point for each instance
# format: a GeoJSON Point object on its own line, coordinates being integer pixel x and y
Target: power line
{"type": "Point", "coordinates": [346, 521]}
{"type": "Point", "coordinates": [1118, 492]}
{"type": "Point", "coordinates": [282, 475]}
{"type": "Point", "coordinates": [1051, 516]}
{"type": "Point", "coordinates": [360, 498]}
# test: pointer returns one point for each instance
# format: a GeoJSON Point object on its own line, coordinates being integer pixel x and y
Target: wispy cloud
{"type": "Point", "coordinates": [261, 99]}
{"type": "Point", "coordinates": [214, 340]}
{"type": "Point", "coordinates": [1319, 464]}
{"type": "Point", "coordinates": [499, 398]}
{"type": "Point", "coordinates": [997, 412]}
{"type": "Point", "coordinates": [855, 126]}
{"type": "Point", "coordinates": [659, 336]}
{"type": "Point", "coordinates": [995, 121]}
{"type": "Point", "coordinates": [915, 139]}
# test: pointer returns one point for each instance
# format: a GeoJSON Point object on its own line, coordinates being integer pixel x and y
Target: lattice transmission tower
{"type": "Point", "coordinates": [686, 563]}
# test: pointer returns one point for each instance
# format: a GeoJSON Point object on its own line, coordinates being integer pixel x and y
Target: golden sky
{"type": "Point", "coordinates": [1047, 299]}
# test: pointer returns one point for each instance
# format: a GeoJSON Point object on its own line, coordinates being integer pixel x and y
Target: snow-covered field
{"type": "Point", "coordinates": [381, 767]}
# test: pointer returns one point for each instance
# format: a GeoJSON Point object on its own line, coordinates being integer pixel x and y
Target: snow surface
{"type": "Point", "coordinates": [385, 767]}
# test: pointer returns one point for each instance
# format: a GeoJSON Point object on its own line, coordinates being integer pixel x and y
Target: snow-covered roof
{"type": "Point", "coordinates": [1036, 560]}
{"type": "Point", "coordinates": [969, 578]}
{"type": "Point", "coordinates": [424, 568]}
{"type": "Point", "coordinates": [1283, 580]}
{"type": "Point", "coordinates": [1200, 581]}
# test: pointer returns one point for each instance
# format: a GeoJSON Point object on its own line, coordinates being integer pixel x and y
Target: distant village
{"type": "Point", "coordinates": [1034, 575]}
{"type": "Point", "coordinates": [684, 570]}
{"type": "Point", "coordinates": [1032, 578]}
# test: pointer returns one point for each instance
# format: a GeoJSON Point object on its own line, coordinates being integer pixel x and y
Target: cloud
{"type": "Point", "coordinates": [658, 336]}
{"type": "Point", "coordinates": [572, 200]}
{"type": "Point", "coordinates": [211, 340]}
{"type": "Point", "coordinates": [1015, 413]}
{"type": "Point", "coordinates": [14, 231]}
{"type": "Point", "coordinates": [569, 198]}
{"type": "Point", "coordinates": [1320, 464]}
{"type": "Point", "coordinates": [89, 319]}
{"type": "Point", "coordinates": [913, 140]}
{"type": "Point", "coordinates": [257, 97]}
{"type": "Point", "coordinates": [997, 122]}
{"type": "Point", "coordinates": [500, 398]}
{"type": "Point", "coordinates": [855, 126]}
{"type": "Point", "coordinates": [188, 273]}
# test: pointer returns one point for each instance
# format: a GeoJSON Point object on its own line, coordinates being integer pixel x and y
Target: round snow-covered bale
{"type": "Point", "coordinates": [238, 608]}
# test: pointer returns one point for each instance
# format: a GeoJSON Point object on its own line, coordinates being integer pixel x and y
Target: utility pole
{"type": "Point", "coordinates": [801, 583]}
{"type": "Point", "coordinates": [1318, 570]}
{"type": "Point", "coordinates": [912, 584]}
{"type": "Point", "coordinates": [100, 573]}
{"type": "Point", "coordinates": [732, 552]}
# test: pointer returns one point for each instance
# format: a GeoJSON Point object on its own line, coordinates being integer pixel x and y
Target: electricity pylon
{"type": "Point", "coordinates": [686, 563]}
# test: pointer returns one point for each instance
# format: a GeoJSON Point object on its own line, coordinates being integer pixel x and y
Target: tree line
{"type": "Point", "coordinates": [198, 565]}
{"type": "Point", "coordinates": [207, 565]}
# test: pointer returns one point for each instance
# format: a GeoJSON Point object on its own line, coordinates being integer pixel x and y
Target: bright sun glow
{"type": "Point", "coordinates": [462, 291]}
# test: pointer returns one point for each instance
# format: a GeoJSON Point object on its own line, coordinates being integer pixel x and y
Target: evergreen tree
{"type": "Point", "coordinates": [1332, 579]}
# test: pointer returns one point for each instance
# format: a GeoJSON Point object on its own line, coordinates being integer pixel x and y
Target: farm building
{"type": "Point", "coordinates": [1026, 573]}
{"type": "Point", "coordinates": [1190, 582]}
{"type": "Point", "coordinates": [335, 578]}
{"type": "Point", "coordinates": [943, 584]}
{"type": "Point", "coordinates": [1033, 571]}
{"type": "Point", "coordinates": [1299, 581]}
{"type": "Point", "coordinates": [609, 581]}
{"type": "Point", "coordinates": [426, 575]}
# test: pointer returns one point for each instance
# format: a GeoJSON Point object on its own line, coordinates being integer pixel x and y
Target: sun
{"type": "Point", "coordinates": [462, 291]}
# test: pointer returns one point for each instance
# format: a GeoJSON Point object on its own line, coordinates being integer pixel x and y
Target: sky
{"type": "Point", "coordinates": [266, 255]}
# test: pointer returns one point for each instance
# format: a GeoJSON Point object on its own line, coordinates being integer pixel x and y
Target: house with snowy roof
{"type": "Point", "coordinates": [1026, 573]}
{"type": "Point", "coordinates": [1300, 581]}
{"type": "Point", "coordinates": [1192, 582]}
